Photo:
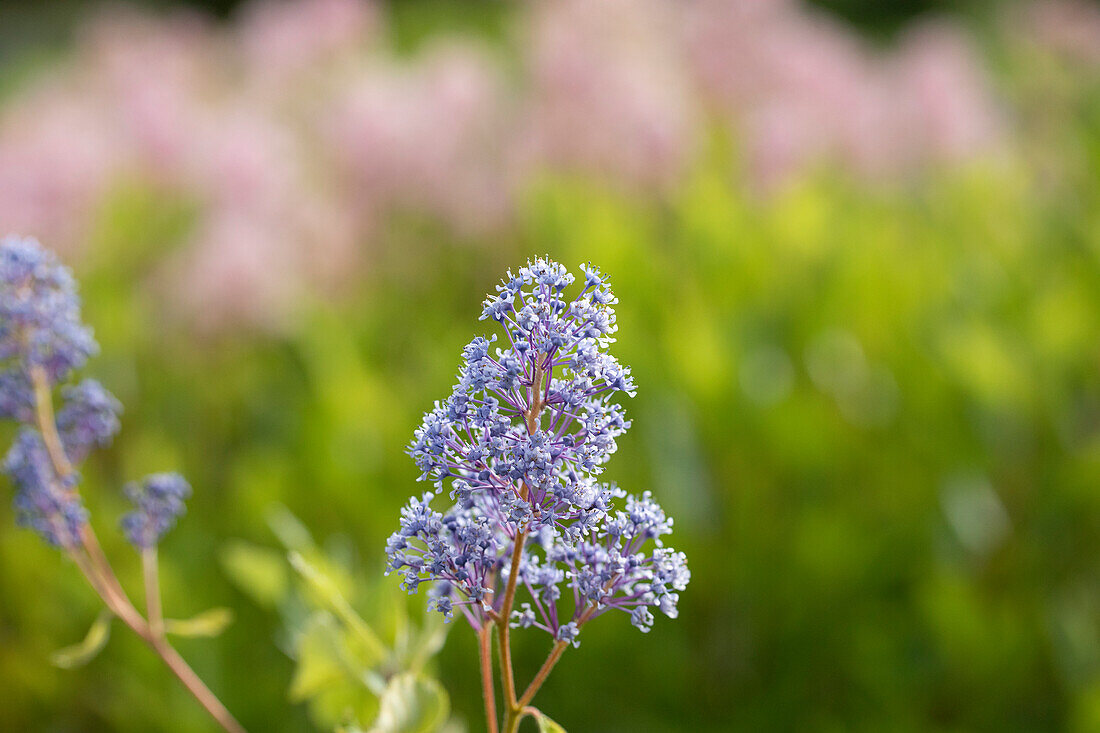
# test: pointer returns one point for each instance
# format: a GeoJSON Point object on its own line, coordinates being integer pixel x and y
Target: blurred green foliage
{"type": "Point", "coordinates": [874, 413]}
{"type": "Point", "coordinates": [345, 669]}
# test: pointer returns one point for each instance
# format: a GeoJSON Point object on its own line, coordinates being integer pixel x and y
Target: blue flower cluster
{"type": "Point", "coordinates": [45, 501]}
{"type": "Point", "coordinates": [519, 444]}
{"type": "Point", "coordinates": [88, 418]}
{"type": "Point", "coordinates": [42, 342]}
{"type": "Point", "coordinates": [158, 500]}
{"type": "Point", "coordinates": [39, 318]}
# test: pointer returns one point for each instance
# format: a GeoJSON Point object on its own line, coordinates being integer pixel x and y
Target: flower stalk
{"type": "Point", "coordinates": [89, 557]}
{"type": "Point", "coordinates": [485, 657]}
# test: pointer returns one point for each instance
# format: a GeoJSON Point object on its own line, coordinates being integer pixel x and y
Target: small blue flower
{"type": "Point", "coordinates": [158, 500]}
{"type": "Point", "coordinates": [88, 418]}
{"type": "Point", "coordinates": [442, 602]}
{"type": "Point", "coordinates": [568, 632]}
{"type": "Point", "coordinates": [44, 502]}
{"type": "Point", "coordinates": [524, 617]}
{"type": "Point", "coordinates": [642, 619]}
{"type": "Point", "coordinates": [16, 396]}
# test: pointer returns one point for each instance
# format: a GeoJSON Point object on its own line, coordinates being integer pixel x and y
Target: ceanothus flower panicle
{"type": "Point", "coordinates": [518, 447]}
{"type": "Point", "coordinates": [42, 342]}
{"type": "Point", "coordinates": [158, 500]}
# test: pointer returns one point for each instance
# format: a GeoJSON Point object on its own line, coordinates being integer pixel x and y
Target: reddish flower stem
{"type": "Point", "coordinates": [484, 642]}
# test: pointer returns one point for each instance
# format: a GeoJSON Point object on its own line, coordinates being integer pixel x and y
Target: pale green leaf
{"type": "Point", "coordinates": [328, 593]}
{"type": "Point", "coordinates": [425, 643]}
{"type": "Point", "coordinates": [319, 658]}
{"type": "Point", "coordinates": [330, 675]}
{"type": "Point", "coordinates": [206, 624]}
{"type": "Point", "coordinates": [411, 704]}
{"type": "Point", "coordinates": [546, 725]}
{"type": "Point", "coordinates": [258, 571]}
{"type": "Point", "coordinates": [289, 529]}
{"type": "Point", "coordinates": [452, 726]}
{"type": "Point", "coordinates": [343, 704]}
{"type": "Point", "coordinates": [80, 654]}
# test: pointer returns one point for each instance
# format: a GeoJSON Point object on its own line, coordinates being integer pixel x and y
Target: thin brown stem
{"type": "Point", "coordinates": [555, 654]}
{"type": "Point", "coordinates": [513, 711]}
{"type": "Point", "coordinates": [130, 616]}
{"type": "Point", "coordinates": [96, 568]}
{"type": "Point", "coordinates": [101, 565]}
{"type": "Point", "coordinates": [196, 686]}
{"type": "Point", "coordinates": [47, 423]}
{"type": "Point", "coordinates": [543, 673]}
{"type": "Point", "coordinates": [485, 656]}
{"type": "Point", "coordinates": [93, 563]}
{"type": "Point", "coordinates": [122, 609]}
{"type": "Point", "coordinates": [151, 575]}
{"type": "Point", "coordinates": [507, 681]}
{"type": "Point", "coordinates": [55, 449]}
{"type": "Point", "coordinates": [89, 573]}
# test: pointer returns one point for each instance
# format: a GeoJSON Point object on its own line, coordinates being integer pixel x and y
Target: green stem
{"type": "Point", "coordinates": [512, 718]}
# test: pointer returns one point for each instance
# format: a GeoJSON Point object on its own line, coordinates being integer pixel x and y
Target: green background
{"type": "Point", "coordinates": [873, 411]}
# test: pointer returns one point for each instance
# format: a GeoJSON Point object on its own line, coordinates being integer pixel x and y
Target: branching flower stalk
{"type": "Point", "coordinates": [42, 342]}
{"type": "Point", "coordinates": [520, 443]}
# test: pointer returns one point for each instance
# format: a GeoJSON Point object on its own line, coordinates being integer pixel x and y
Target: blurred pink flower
{"type": "Point", "coordinates": [430, 136]}
{"type": "Point", "coordinates": [257, 201]}
{"type": "Point", "coordinates": [800, 88]}
{"type": "Point", "coordinates": [153, 78]}
{"type": "Point", "coordinates": [240, 271]}
{"type": "Point", "coordinates": [298, 134]}
{"type": "Point", "coordinates": [245, 159]}
{"type": "Point", "coordinates": [609, 95]}
{"type": "Point", "coordinates": [57, 158]}
{"type": "Point", "coordinates": [280, 38]}
{"type": "Point", "coordinates": [1068, 27]}
{"type": "Point", "coordinates": [943, 94]}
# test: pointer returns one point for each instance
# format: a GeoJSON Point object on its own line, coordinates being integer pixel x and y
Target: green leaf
{"type": "Point", "coordinates": [206, 624]}
{"type": "Point", "coordinates": [546, 725]}
{"type": "Point", "coordinates": [319, 660]}
{"type": "Point", "coordinates": [411, 704]}
{"type": "Point", "coordinates": [425, 643]}
{"type": "Point", "coordinates": [330, 675]}
{"type": "Point", "coordinates": [80, 654]}
{"type": "Point", "coordinates": [329, 594]}
{"type": "Point", "coordinates": [343, 705]}
{"type": "Point", "coordinates": [452, 725]}
{"type": "Point", "coordinates": [289, 529]}
{"type": "Point", "coordinates": [258, 571]}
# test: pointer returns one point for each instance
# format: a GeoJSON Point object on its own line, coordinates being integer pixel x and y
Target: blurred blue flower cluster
{"type": "Point", "coordinates": [42, 342]}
